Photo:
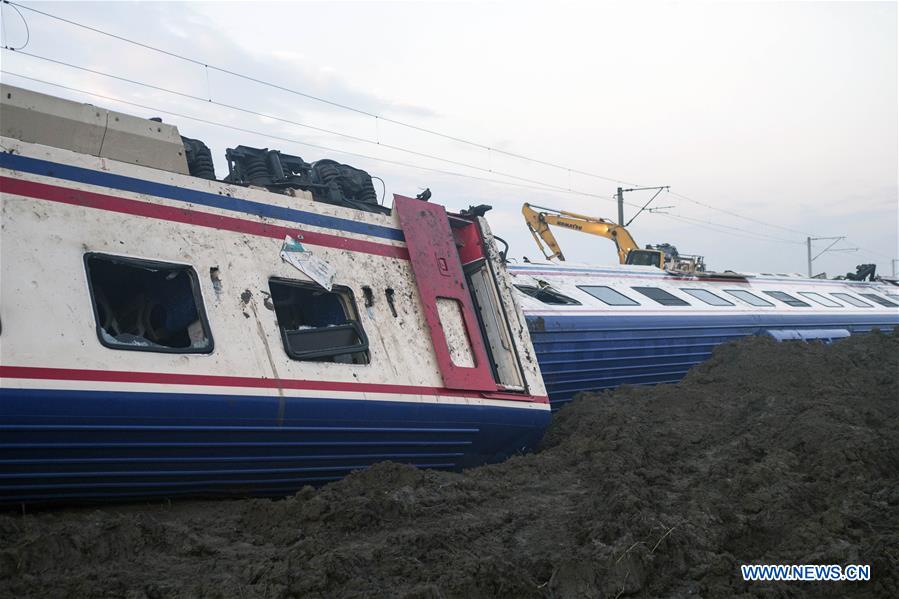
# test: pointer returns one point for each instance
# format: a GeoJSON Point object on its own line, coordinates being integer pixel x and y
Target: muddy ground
{"type": "Point", "coordinates": [777, 453]}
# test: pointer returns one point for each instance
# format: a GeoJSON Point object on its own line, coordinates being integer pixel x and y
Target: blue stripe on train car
{"type": "Point", "coordinates": [591, 353]}
{"type": "Point", "coordinates": [173, 192]}
{"type": "Point", "coordinates": [86, 445]}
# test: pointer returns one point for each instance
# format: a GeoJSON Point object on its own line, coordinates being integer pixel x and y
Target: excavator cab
{"type": "Point", "coordinates": [646, 258]}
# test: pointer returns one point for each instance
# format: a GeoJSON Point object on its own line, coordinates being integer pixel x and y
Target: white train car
{"type": "Point", "coordinates": [597, 328]}
{"type": "Point", "coordinates": [167, 334]}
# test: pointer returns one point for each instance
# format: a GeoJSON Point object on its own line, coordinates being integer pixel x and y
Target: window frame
{"type": "Point", "coordinates": [197, 290]}
{"type": "Point", "coordinates": [793, 302]}
{"type": "Point", "coordinates": [809, 294]}
{"type": "Point", "coordinates": [551, 291]}
{"type": "Point", "coordinates": [765, 303]}
{"type": "Point", "coordinates": [689, 290]}
{"type": "Point", "coordinates": [873, 297]}
{"type": "Point", "coordinates": [348, 303]}
{"type": "Point", "coordinates": [851, 300]}
{"type": "Point", "coordinates": [671, 300]}
{"type": "Point", "coordinates": [632, 301]}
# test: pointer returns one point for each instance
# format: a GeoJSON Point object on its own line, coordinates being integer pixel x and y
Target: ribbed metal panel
{"type": "Point", "coordinates": [100, 445]}
{"type": "Point", "coordinates": [591, 353]}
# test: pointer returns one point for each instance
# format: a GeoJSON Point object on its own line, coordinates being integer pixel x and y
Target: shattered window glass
{"type": "Point", "coordinates": [318, 325]}
{"type": "Point", "coordinates": [547, 295]}
{"type": "Point", "coordinates": [147, 306]}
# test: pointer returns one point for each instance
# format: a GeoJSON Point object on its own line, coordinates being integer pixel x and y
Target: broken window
{"type": "Point", "coordinates": [548, 295]}
{"type": "Point", "coordinates": [147, 306]}
{"type": "Point", "coordinates": [318, 325]}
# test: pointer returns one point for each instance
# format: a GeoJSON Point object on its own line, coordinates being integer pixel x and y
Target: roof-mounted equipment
{"type": "Point", "coordinates": [328, 181]}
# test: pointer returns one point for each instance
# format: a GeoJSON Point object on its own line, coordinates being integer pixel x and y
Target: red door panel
{"type": "Point", "coordinates": [438, 274]}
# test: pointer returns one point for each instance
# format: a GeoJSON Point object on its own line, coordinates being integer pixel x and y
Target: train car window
{"type": "Point", "coordinates": [787, 299]}
{"type": "Point", "coordinates": [608, 295]}
{"type": "Point", "coordinates": [820, 299]}
{"type": "Point", "coordinates": [749, 298]}
{"type": "Point", "coordinates": [880, 300]}
{"type": "Point", "coordinates": [661, 296]}
{"type": "Point", "coordinates": [707, 296]}
{"type": "Point", "coordinates": [144, 305]}
{"type": "Point", "coordinates": [318, 325]}
{"type": "Point", "coordinates": [547, 295]}
{"type": "Point", "coordinates": [852, 300]}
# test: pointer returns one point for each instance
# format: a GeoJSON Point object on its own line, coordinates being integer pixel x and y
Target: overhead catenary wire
{"type": "Point", "coordinates": [24, 22]}
{"type": "Point", "coordinates": [704, 224]}
{"type": "Point", "coordinates": [295, 141]}
{"type": "Point", "coordinates": [279, 118]}
{"type": "Point", "coordinates": [737, 215]}
{"type": "Point", "coordinates": [377, 117]}
{"type": "Point", "coordinates": [728, 229]}
{"type": "Point", "coordinates": [380, 117]}
{"type": "Point", "coordinates": [314, 97]}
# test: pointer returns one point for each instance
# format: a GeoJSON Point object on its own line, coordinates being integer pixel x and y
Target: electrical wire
{"type": "Point", "coordinates": [295, 141]}
{"type": "Point", "coordinates": [737, 215]}
{"type": "Point", "coordinates": [539, 185]}
{"type": "Point", "coordinates": [280, 119]}
{"type": "Point", "coordinates": [24, 22]}
{"type": "Point", "coordinates": [318, 98]}
{"type": "Point", "coordinates": [16, 6]}
{"type": "Point", "coordinates": [704, 224]}
{"type": "Point", "coordinates": [243, 76]}
{"type": "Point", "coordinates": [544, 185]}
{"type": "Point", "coordinates": [731, 230]}
{"type": "Point", "coordinates": [383, 188]}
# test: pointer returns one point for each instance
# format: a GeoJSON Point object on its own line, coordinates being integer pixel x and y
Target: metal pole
{"type": "Point", "coordinates": [808, 244]}
{"type": "Point", "coordinates": [620, 206]}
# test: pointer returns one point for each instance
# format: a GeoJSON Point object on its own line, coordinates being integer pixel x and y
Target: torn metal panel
{"type": "Point", "coordinates": [293, 252]}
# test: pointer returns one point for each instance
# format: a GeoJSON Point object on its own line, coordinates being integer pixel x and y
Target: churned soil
{"type": "Point", "coordinates": [767, 453]}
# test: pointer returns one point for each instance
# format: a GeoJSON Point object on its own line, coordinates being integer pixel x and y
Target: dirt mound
{"type": "Point", "coordinates": [767, 453]}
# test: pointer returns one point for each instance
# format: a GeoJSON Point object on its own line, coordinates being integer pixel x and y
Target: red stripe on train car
{"type": "Point", "coordinates": [166, 378]}
{"type": "Point", "coordinates": [99, 201]}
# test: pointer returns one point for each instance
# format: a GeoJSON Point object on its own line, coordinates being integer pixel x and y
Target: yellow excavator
{"type": "Point", "coordinates": [664, 256]}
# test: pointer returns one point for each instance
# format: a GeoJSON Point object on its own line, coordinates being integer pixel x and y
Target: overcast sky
{"type": "Point", "coordinates": [783, 112]}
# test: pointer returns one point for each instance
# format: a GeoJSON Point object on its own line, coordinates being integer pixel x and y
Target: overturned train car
{"type": "Point", "coordinates": [167, 333]}
{"type": "Point", "coordinates": [596, 328]}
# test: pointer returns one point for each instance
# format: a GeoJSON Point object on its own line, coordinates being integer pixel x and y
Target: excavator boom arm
{"type": "Point", "coordinates": [539, 223]}
{"type": "Point", "coordinates": [539, 228]}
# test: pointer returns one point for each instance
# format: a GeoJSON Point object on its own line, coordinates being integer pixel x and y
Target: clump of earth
{"type": "Point", "coordinates": [783, 453]}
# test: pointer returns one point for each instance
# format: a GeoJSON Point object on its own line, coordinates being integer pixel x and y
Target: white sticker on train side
{"type": "Point", "coordinates": [293, 252]}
